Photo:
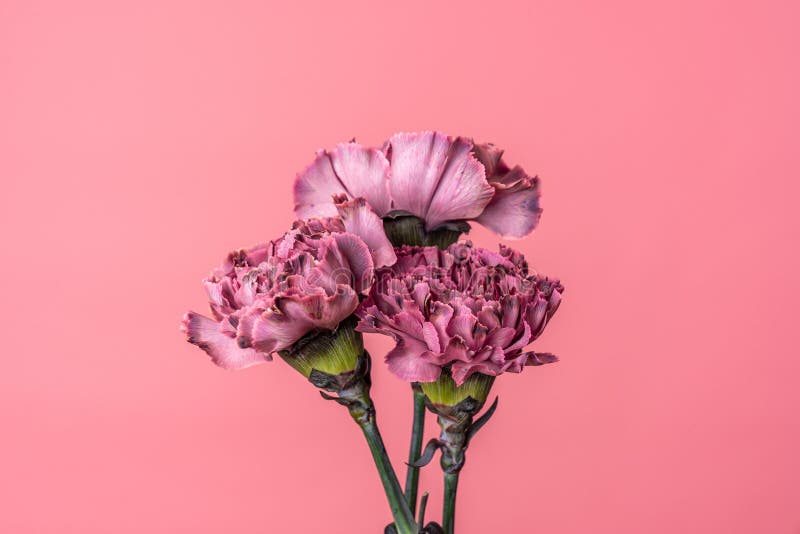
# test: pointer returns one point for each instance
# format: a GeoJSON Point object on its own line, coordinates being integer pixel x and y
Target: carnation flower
{"type": "Point", "coordinates": [426, 179]}
{"type": "Point", "coordinates": [266, 298]}
{"type": "Point", "coordinates": [465, 310]}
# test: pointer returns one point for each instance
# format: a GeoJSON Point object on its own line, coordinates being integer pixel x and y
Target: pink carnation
{"type": "Point", "coordinates": [465, 308]}
{"type": "Point", "coordinates": [440, 179]}
{"type": "Point", "coordinates": [265, 298]}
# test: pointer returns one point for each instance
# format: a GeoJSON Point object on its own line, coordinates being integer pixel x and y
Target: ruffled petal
{"type": "Point", "coordinates": [540, 358]}
{"type": "Point", "coordinates": [431, 337]}
{"type": "Point", "coordinates": [290, 318]}
{"type": "Point", "coordinates": [463, 370]}
{"type": "Point", "coordinates": [349, 169]}
{"type": "Point", "coordinates": [417, 162]}
{"type": "Point", "coordinates": [321, 311]}
{"type": "Point", "coordinates": [360, 220]}
{"type": "Point", "coordinates": [436, 178]}
{"type": "Point", "coordinates": [406, 362]}
{"type": "Point", "coordinates": [501, 337]}
{"type": "Point", "coordinates": [514, 210]}
{"type": "Point", "coordinates": [440, 317]}
{"type": "Point", "coordinates": [364, 173]}
{"type": "Point", "coordinates": [536, 316]}
{"type": "Point", "coordinates": [463, 325]}
{"type": "Point", "coordinates": [408, 359]}
{"type": "Point", "coordinates": [489, 155]}
{"type": "Point", "coordinates": [462, 192]}
{"type": "Point", "coordinates": [359, 262]}
{"type": "Point", "coordinates": [220, 343]}
{"type": "Point", "coordinates": [456, 350]}
{"type": "Point", "coordinates": [315, 187]}
{"type": "Point", "coordinates": [463, 308]}
{"type": "Point", "coordinates": [343, 258]}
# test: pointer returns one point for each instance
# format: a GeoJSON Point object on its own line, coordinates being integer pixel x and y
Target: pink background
{"type": "Point", "coordinates": [140, 141]}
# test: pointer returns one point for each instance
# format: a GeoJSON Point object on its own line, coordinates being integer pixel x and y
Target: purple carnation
{"type": "Point", "coordinates": [265, 298]}
{"type": "Point", "coordinates": [437, 178]}
{"type": "Point", "coordinates": [465, 308]}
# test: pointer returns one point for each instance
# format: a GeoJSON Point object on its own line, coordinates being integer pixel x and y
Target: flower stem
{"type": "Point", "coordinates": [449, 511]}
{"type": "Point", "coordinates": [423, 504]}
{"type": "Point", "coordinates": [354, 394]}
{"type": "Point", "coordinates": [417, 431]}
{"type": "Point", "coordinates": [403, 517]}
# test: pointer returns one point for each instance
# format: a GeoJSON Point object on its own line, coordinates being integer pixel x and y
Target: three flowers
{"type": "Point", "coordinates": [376, 249]}
{"type": "Point", "coordinates": [462, 308]}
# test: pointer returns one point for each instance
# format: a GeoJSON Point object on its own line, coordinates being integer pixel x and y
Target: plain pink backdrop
{"type": "Point", "coordinates": [140, 141]}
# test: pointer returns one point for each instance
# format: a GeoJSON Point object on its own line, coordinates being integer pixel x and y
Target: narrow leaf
{"type": "Point", "coordinates": [343, 402]}
{"type": "Point", "coordinates": [427, 455]}
{"type": "Point", "coordinates": [482, 420]}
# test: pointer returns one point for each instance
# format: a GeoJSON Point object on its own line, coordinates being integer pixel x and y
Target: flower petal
{"type": "Point", "coordinates": [220, 345]}
{"type": "Point", "coordinates": [349, 169]}
{"type": "Point", "coordinates": [540, 358]}
{"type": "Point", "coordinates": [292, 317]}
{"type": "Point", "coordinates": [431, 337]}
{"type": "Point", "coordinates": [360, 220]}
{"type": "Point", "coordinates": [436, 178]}
{"type": "Point", "coordinates": [406, 362]}
{"type": "Point", "coordinates": [315, 187]}
{"type": "Point", "coordinates": [462, 192]}
{"type": "Point", "coordinates": [514, 210]}
{"type": "Point", "coordinates": [489, 155]}
{"type": "Point", "coordinates": [365, 173]}
{"type": "Point", "coordinates": [359, 261]}
{"type": "Point", "coordinates": [417, 162]}
{"type": "Point", "coordinates": [463, 370]}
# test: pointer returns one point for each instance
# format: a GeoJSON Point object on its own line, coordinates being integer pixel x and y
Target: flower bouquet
{"type": "Point", "coordinates": [376, 249]}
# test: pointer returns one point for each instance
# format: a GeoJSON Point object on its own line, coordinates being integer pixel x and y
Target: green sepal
{"type": "Point", "coordinates": [325, 353]}
{"type": "Point", "coordinates": [342, 381]}
{"type": "Point", "coordinates": [444, 397]}
{"type": "Point", "coordinates": [402, 228]}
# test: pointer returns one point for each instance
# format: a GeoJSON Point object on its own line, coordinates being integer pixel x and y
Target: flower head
{"type": "Point", "coordinates": [464, 309]}
{"type": "Point", "coordinates": [438, 181]}
{"type": "Point", "coordinates": [266, 298]}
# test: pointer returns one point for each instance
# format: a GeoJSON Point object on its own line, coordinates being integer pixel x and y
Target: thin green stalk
{"type": "Point", "coordinates": [423, 504]}
{"type": "Point", "coordinates": [449, 511]}
{"type": "Point", "coordinates": [403, 517]}
{"type": "Point", "coordinates": [417, 431]}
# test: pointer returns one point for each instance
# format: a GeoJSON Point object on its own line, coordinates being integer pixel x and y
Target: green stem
{"type": "Point", "coordinates": [417, 431]}
{"type": "Point", "coordinates": [449, 511]}
{"type": "Point", "coordinates": [423, 504]}
{"type": "Point", "coordinates": [403, 518]}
